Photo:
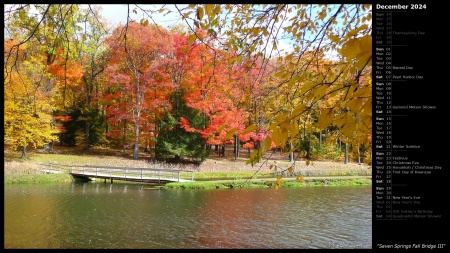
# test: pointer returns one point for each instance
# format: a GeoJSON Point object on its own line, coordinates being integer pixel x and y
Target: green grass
{"type": "Point", "coordinates": [263, 183]}
{"type": "Point", "coordinates": [212, 184]}
{"type": "Point", "coordinates": [200, 176]}
{"type": "Point", "coordinates": [36, 178]}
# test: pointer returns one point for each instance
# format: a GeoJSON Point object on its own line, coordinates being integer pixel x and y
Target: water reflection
{"type": "Point", "coordinates": [103, 215]}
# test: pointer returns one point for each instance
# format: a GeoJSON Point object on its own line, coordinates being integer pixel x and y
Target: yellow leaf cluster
{"type": "Point", "coordinates": [280, 136]}
{"type": "Point", "coordinates": [254, 157]}
{"type": "Point", "coordinates": [279, 183]}
{"type": "Point", "coordinates": [230, 133]}
{"type": "Point", "coordinates": [250, 128]}
{"type": "Point", "coordinates": [290, 170]}
{"type": "Point", "coordinates": [200, 13]}
{"type": "Point", "coordinates": [325, 119]}
{"type": "Point", "coordinates": [360, 49]}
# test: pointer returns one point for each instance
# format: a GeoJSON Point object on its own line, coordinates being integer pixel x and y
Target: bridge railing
{"type": "Point", "coordinates": [125, 172]}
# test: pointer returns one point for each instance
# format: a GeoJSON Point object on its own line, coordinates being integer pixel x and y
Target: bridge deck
{"type": "Point", "coordinates": [146, 175]}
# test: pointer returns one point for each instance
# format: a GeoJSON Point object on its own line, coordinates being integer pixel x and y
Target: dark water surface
{"type": "Point", "coordinates": [97, 215]}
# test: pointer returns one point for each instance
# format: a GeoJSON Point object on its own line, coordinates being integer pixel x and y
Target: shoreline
{"type": "Point", "coordinates": [214, 172]}
{"type": "Point", "coordinates": [271, 182]}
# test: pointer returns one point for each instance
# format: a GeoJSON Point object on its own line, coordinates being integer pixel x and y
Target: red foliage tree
{"type": "Point", "coordinates": [137, 69]}
{"type": "Point", "coordinates": [211, 86]}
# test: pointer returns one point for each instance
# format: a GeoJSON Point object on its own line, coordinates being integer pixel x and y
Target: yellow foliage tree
{"type": "Point", "coordinates": [28, 110]}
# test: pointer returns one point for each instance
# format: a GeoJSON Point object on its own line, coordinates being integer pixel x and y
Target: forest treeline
{"type": "Point", "coordinates": [217, 78]}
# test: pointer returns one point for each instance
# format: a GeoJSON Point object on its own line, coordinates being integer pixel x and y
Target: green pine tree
{"type": "Point", "coordinates": [173, 142]}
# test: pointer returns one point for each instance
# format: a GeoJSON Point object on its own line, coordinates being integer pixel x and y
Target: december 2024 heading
{"type": "Point", "coordinates": [400, 6]}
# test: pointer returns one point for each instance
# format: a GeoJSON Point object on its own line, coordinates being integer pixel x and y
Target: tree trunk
{"type": "Point", "coordinates": [291, 155]}
{"type": "Point", "coordinates": [363, 153]}
{"type": "Point", "coordinates": [89, 88]}
{"type": "Point", "coordinates": [87, 135]}
{"type": "Point", "coordinates": [236, 147]}
{"type": "Point", "coordinates": [223, 151]}
{"type": "Point", "coordinates": [106, 122]}
{"type": "Point", "coordinates": [308, 153]}
{"type": "Point", "coordinates": [136, 141]}
{"type": "Point", "coordinates": [359, 156]}
{"type": "Point", "coordinates": [137, 119]}
{"type": "Point", "coordinates": [124, 135]}
{"type": "Point", "coordinates": [257, 146]}
{"type": "Point", "coordinates": [209, 149]}
{"type": "Point", "coordinates": [346, 154]}
{"type": "Point", "coordinates": [24, 152]}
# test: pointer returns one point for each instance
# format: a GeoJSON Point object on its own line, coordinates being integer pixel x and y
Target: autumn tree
{"type": "Point", "coordinates": [118, 103]}
{"type": "Point", "coordinates": [28, 61]}
{"type": "Point", "coordinates": [256, 83]}
{"type": "Point", "coordinates": [28, 108]}
{"type": "Point", "coordinates": [141, 52]}
{"type": "Point", "coordinates": [58, 29]}
{"type": "Point", "coordinates": [211, 89]}
{"type": "Point", "coordinates": [170, 139]}
{"type": "Point", "coordinates": [54, 27]}
{"type": "Point", "coordinates": [93, 58]}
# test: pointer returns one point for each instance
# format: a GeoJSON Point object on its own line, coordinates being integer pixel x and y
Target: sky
{"type": "Point", "coordinates": [117, 13]}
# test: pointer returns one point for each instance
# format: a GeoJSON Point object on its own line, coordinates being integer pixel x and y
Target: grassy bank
{"type": "Point", "coordinates": [36, 178]}
{"type": "Point", "coordinates": [212, 184]}
{"type": "Point", "coordinates": [270, 182]}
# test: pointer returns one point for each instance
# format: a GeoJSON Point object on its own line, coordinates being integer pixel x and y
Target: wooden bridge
{"type": "Point", "coordinates": [145, 175]}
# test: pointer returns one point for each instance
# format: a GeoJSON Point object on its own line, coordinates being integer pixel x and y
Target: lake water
{"type": "Point", "coordinates": [102, 215]}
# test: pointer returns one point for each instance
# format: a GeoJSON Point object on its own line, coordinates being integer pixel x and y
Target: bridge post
{"type": "Point", "coordinates": [178, 176]}
{"type": "Point", "coordinates": [192, 176]}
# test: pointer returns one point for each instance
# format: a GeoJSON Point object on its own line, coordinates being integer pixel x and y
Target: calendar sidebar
{"type": "Point", "coordinates": [410, 177]}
